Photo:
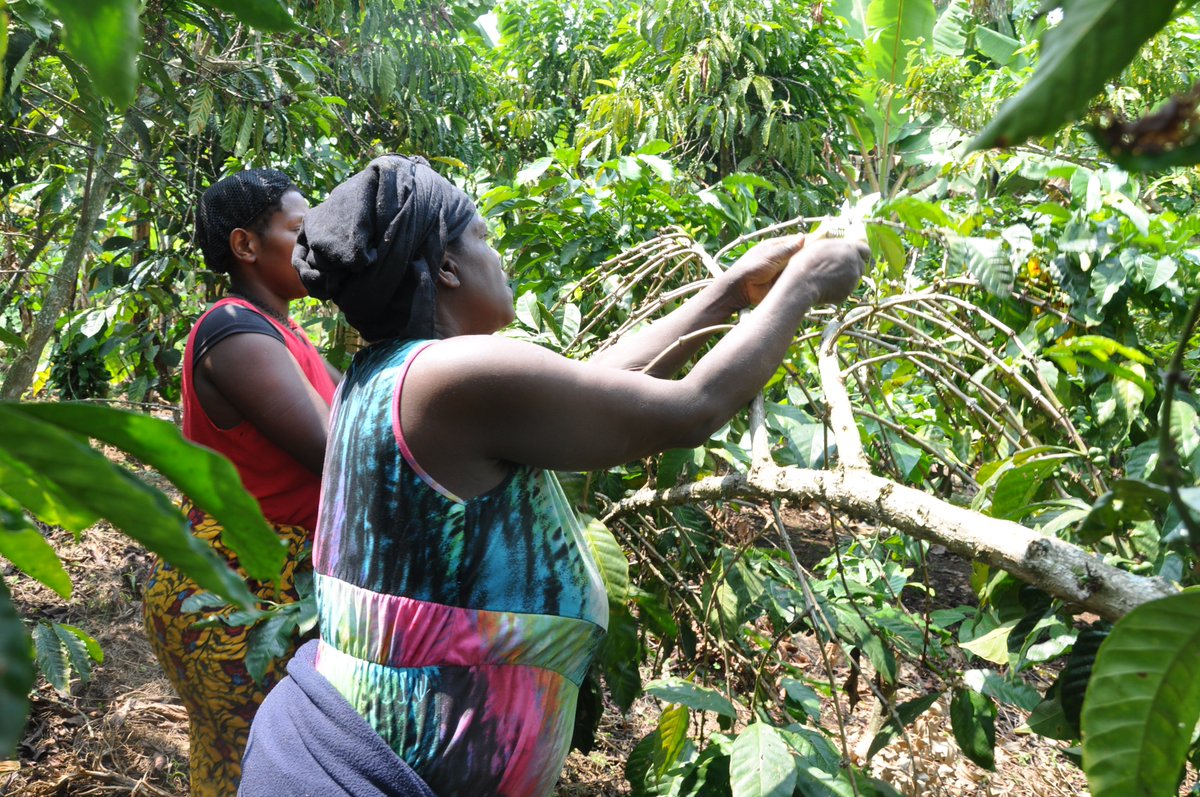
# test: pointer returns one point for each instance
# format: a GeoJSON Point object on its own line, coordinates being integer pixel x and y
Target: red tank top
{"type": "Point", "coordinates": [286, 490]}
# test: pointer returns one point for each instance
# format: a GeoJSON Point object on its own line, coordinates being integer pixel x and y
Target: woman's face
{"type": "Point", "coordinates": [275, 245]}
{"type": "Point", "coordinates": [484, 292]}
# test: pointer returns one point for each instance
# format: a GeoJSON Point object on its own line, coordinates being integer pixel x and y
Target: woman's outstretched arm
{"type": "Point", "coordinates": [663, 347]}
{"type": "Point", "coordinates": [474, 404]}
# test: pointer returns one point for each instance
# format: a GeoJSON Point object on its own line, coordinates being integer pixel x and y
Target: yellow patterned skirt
{"type": "Point", "coordinates": [207, 666]}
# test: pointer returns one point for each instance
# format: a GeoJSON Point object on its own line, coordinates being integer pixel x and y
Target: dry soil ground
{"type": "Point", "coordinates": [125, 732]}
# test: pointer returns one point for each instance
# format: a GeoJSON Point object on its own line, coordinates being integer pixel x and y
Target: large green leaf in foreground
{"type": "Point", "coordinates": [16, 673]}
{"type": "Point", "coordinates": [207, 479]}
{"type": "Point", "coordinates": [105, 35]}
{"type": "Point", "coordinates": [760, 764]}
{"type": "Point", "coordinates": [1095, 40]}
{"type": "Point", "coordinates": [1143, 700]}
{"type": "Point", "coordinates": [66, 467]}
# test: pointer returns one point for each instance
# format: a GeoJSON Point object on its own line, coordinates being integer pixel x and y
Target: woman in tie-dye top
{"type": "Point", "coordinates": [459, 606]}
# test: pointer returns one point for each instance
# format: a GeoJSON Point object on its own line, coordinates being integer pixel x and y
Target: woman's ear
{"type": "Point", "coordinates": [243, 245]}
{"type": "Point", "coordinates": [447, 276]}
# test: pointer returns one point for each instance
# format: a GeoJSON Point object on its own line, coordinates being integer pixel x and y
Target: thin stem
{"type": "Point", "coordinates": [1168, 456]}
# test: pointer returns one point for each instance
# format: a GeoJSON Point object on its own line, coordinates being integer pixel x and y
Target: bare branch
{"type": "Point", "coordinates": [1057, 567]}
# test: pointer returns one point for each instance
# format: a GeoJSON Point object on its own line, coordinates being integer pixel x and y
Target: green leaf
{"type": "Point", "coordinates": [1095, 40]}
{"type": "Point", "coordinates": [994, 685]}
{"type": "Point", "coordinates": [1077, 672]}
{"type": "Point", "coordinates": [1127, 501]}
{"type": "Point", "coordinates": [987, 262]}
{"type": "Point", "coordinates": [694, 696]}
{"type": "Point", "coordinates": [893, 26]}
{"type": "Point", "coordinates": [1185, 428]}
{"type": "Point", "coordinates": [105, 36]}
{"type": "Point", "coordinates": [7, 336]}
{"type": "Point", "coordinates": [662, 168]}
{"type": "Point", "coordinates": [202, 107]}
{"type": "Point", "coordinates": [760, 764]}
{"type": "Point", "coordinates": [855, 14]}
{"type": "Point", "coordinates": [41, 497]}
{"type": "Point", "coordinates": [1156, 271]}
{"type": "Point", "coordinates": [268, 641]}
{"type": "Point", "coordinates": [614, 567]}
{"type": "Point", "coordinates": [672, 734]}
{"type": "Point", "coordinates": [533, 171]}
{"type": "Point", "coordinates": [51, 658]}
{"type": "Point", "coordinates": [887, 244]}
{"type": "Point", "coordinates": [65, 460]}
{"type": "Point", "coordinates": [267, 15]}
{"type": "Point", "coordinates": [798, 697]}
{"type": "Point", "coordinates": [206, 478]}
{"type": "Point", "coordinates": [950, 32]}
{"type": "Point", "coordinates": [1143, 700]}
{"type": "Point", "coordinates": [639, 770]}
{"type": "Point", "coordinates": [906, 713]}
{"type": "Point", "coordinates": [996, 46]}
{"type": "Point", "coordinates": [654, 613]}
{"type": "Point", "coordinates": [3, 51]}
{"type": "Point", "coordinates": [620, 656]}
{"type": "Point", "coordinates": [17, 676]}
{"type": "Point", "coordinates": [387, 75]}
{"type": "Point", "coordinates": [1048, 719]}
{"type": "Point", "coordinates": [973, 719]}
{"type": "Point", "coordinates": [1016, 486]}
{"type": "Point", "coordinates": [89, 642]}
{"type": "Point", "coordinates": [992, 646]}
{"type": "Point", "coordinates": [25, 547]}
{"type": "Point", "coordinates": [77, 650]}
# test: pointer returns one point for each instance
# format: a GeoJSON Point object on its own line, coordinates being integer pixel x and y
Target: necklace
{"type": "Point", "coordinates": [266, 309]}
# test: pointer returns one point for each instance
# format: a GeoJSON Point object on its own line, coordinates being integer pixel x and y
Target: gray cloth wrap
{"type": "Point", "coordinates": [374, 246]}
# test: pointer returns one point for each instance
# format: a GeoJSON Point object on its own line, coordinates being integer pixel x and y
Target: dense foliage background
{"type": "Point", "coordinates": [1021, 348]}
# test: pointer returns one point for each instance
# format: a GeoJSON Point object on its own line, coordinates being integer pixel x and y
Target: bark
{"type": "Point", "coordinates": [103, 167]}
{"type": "Point", "coordinates": [1054, 566]}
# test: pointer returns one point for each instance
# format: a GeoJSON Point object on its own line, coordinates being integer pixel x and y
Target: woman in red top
{"type": "Point", "coordinates": [256, 390]}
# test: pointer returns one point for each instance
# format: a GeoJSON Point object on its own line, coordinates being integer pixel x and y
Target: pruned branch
{"type": "Point", "coordinates": [1061, 569]}
{"type": "Point", "coordinates": [1056, 567]}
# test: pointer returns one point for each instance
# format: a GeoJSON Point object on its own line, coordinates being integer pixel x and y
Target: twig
{"type": "Point", "coordinates": [1168, 456]}
{"type": "Point", "coordinates": [841, 414]}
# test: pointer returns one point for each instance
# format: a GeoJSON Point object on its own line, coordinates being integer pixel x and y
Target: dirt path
{"type": "Point", "coordinates": [125, 733]}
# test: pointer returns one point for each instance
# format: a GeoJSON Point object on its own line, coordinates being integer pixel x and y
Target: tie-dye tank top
{"type": "Point", "coordinates": [460, 630]}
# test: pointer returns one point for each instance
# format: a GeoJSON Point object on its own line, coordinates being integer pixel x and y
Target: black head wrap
{"type": "Point", "coordinates": [374, 245]}
{"type": "Point", "coordinates": [236, 201]}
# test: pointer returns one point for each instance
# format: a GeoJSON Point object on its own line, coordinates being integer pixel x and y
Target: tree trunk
{"type": "Point", "coordinates": [102, 177]}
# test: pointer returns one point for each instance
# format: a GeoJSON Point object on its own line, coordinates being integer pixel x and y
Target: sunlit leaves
{"type": "Point", "coordinates": [207, 479]}
{"type": "Point", "coordinates": [614, 567]}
